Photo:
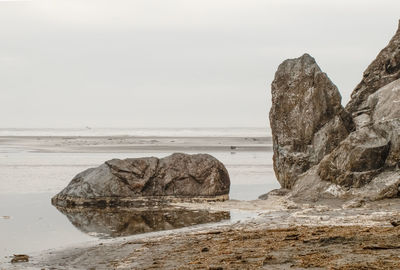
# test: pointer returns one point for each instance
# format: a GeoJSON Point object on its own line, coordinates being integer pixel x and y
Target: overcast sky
{"type": "Point", "coordinates": [179, 63]}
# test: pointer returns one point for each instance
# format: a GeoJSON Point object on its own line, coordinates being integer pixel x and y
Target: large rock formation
{"type": "Point", "coordinates": [306, 114]}
{"type": "Point", "coordinates": [363, 163]}
{"type": "Point", "coordinates": [366, 164]}
{"type": "Point", "coordinates": [382, 71]}
{"type": "Point", "coordinates": [143, 181]}
{"type": "Point", "coordinates": [373, 147]}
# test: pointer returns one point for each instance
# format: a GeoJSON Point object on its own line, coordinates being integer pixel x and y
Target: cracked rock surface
{"type": "Point", "coordinates": [322, 150]}
{"type": "Point", "coordinates": [307, 118]}
{"type": "Point", "coordinates": [382, 71]}
{"type": "Point", "coordinates": [139, 180]}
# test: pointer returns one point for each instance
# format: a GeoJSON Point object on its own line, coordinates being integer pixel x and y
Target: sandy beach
{"type": "Point", "coordinates": [282, 235]}
{"type": "Point", "coordinates": [210, 135]}
{"type": "Point", "coordinates": [259, 234]}
{"type": "Point", "coordinates": [35, 168]}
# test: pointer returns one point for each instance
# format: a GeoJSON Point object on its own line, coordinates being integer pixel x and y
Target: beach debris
{"type": "Point", "coordinates": [20, 258]}
{"type": "Point", "coordinates": [268, 259]}
{"type": "Point", "coordinates": [293, 236]}
{"type": "Point", "coordinates": [214, 232]}
{"type": "Point", "coordinates": [395, 223]}
{"type": "Point", "coordinates": [382, 247]}
{"type": "Point", "coordinates": [142, 181]}
{"type": "Point", "coordinates": [215, 268]}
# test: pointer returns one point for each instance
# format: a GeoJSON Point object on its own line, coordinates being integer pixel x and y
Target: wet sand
{"type": "Point", "coordinates": [271, 234]}
{"type": "Point", "coordinates": [282, 235]}
{"type": "Point", "coordinates": [35, 168]}
{"type": "Point", "coordinates": [122, 144]}
{"type": "Point", "coordinates": [326, 247]}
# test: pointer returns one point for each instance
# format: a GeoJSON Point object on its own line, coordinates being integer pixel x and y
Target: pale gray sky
{"type": "Point", "coordinates": [178, 63]}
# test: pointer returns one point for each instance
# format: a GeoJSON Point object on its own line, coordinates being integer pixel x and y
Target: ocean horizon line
{"type": "Point", "coordinates": [140, 132]}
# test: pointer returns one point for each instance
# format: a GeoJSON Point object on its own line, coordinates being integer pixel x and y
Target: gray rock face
{"type": "Point", "coordinates": [382, 71]}
{"type": "Point", "coordinates": [306, 113]}
{"type": "Point", "coordinates": [364, 163]}
{"type": "Point", "coordinates": [142, 181]}
{"type": "Point", "coordinates": [373, 147]}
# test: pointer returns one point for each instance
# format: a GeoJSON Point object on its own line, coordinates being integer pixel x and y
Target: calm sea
{"type": "Point", "coordinates": [29, 223]}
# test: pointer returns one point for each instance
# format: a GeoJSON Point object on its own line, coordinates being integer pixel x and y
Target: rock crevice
{"type": "Point", "coordinates": [306, 113]}
{"type": "Point", "coordinates": [382, 71]}
{"type": "Point", "coordinates": [139, 180]}
{"type": "Point", "coordinates": [323, 150]}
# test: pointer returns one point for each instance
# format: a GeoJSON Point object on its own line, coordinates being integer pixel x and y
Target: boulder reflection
{"type": "Point", "coordinates": [114, 222]}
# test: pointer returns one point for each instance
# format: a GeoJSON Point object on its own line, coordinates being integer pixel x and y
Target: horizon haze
{"type": "Point", "coordinates": [154, 64]}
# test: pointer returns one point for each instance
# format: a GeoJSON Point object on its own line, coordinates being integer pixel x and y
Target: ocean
{"type": "Point", "coordinates": [29, 178]}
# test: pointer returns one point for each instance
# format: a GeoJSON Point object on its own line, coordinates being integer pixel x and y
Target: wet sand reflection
{"type": "Point", "coordinates": [116, 222]}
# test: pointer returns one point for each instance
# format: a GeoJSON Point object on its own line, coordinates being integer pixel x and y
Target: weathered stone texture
{"type": "Point", "coordinates": [140, 179]}
{"type": "Point", "coordinates": [382, 71]}
{"type": "Point", "coordinates": [306, 113]}
{"type": "Point", "coordinates": [331, 154]}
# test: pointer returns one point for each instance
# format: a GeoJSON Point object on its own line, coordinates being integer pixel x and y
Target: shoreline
{"type": "Point", "coordinates": [106, 144]}
{"type": "Point", "coordinates": [262, 234]}
{"type": "Point", "coordinates": [41, 166]}
{"type": "Point", "coordinates": [280, 234]}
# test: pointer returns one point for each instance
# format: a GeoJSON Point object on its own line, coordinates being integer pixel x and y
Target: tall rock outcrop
{"type": "Point", "coordinates": [365, 161]}
{"type": "Point", "coordinates": [306, 114]}
{"type": "Point", "coordinates": [382, 71]}
{"type": "Point", "coordinates": [144, 181]}
{"type": "Point", "coordinates": [373, 147]}
{"type": "Point", "coordinates": [365, 165]}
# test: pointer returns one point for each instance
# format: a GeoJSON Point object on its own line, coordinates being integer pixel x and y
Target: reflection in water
{"type": "Point", "coordinates": [114, 222]}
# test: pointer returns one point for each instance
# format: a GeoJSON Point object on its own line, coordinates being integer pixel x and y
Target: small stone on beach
{"type": "Point", "coordinates": [20, 258]}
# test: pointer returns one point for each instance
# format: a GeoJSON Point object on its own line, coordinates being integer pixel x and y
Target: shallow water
{"type": "Point", "coordinates": [115, 222]}
{"type": "Point", "coordinates": [33, 224]}
{"type": "Point", "coordinates": [29, 223]}
{"type": "Point", "coordinates": [161, 132]}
